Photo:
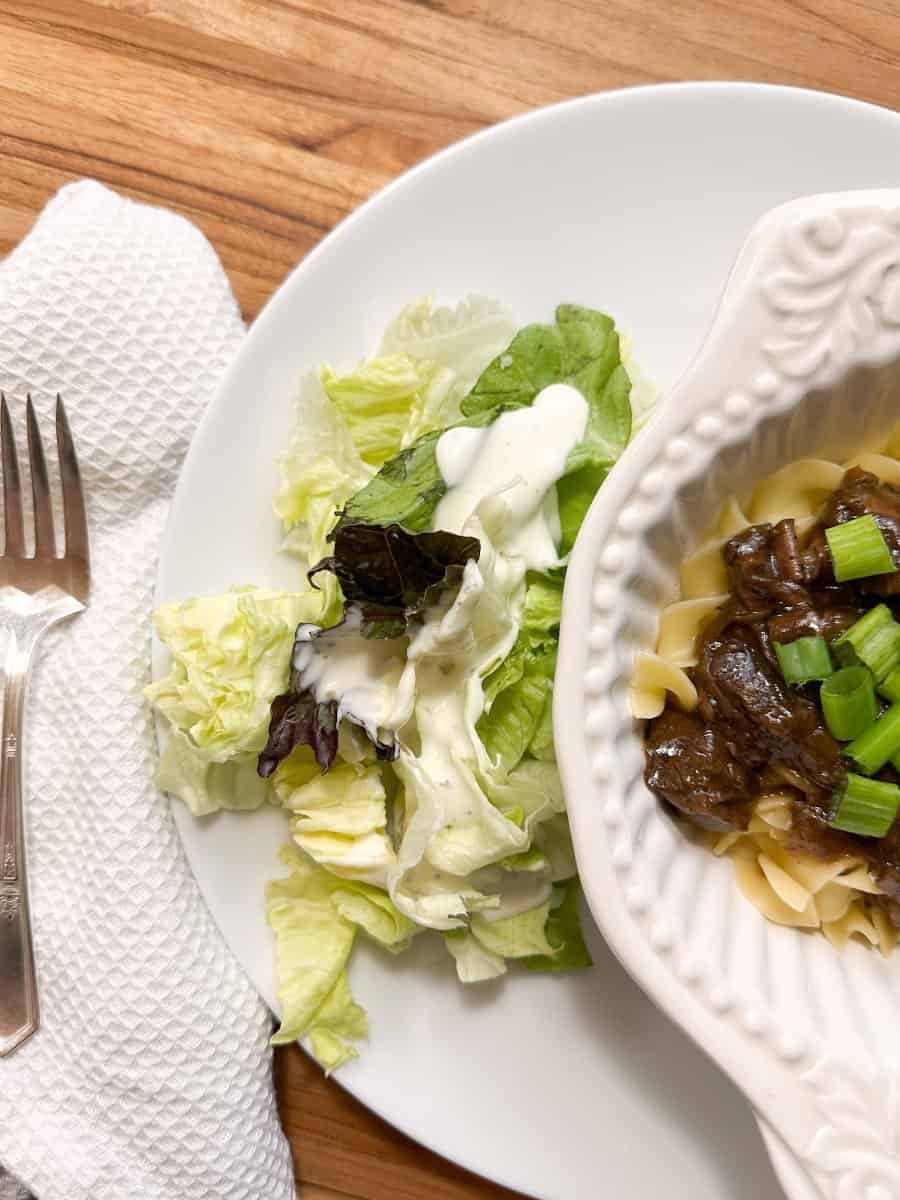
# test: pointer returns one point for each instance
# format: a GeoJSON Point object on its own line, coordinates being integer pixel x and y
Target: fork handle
{"type": "Point", "coordinates": [19, 1016]}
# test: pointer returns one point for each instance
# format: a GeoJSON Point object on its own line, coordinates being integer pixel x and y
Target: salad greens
{"type": "Point", "coordinates": [398, 706]}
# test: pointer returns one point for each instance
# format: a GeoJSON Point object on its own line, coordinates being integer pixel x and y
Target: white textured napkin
{"type": "Point", "coordinates": [150, 1078]}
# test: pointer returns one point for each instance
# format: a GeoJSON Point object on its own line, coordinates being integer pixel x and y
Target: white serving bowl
{"type": "Point", "coordinates": [802, 359]}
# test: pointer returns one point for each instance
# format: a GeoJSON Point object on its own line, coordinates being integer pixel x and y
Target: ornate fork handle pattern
{"type": "Point", "coordinates": [18, 980]}
{"type": "Point", "coordinates": [24, 619]}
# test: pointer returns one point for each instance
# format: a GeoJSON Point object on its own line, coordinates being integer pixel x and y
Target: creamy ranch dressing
{"type": "Point", "coordinates": [427, 687]}
{"type": "Point", "coordinates": [366, 676]}
{"type": "Point", "coordinates": [514, 464]}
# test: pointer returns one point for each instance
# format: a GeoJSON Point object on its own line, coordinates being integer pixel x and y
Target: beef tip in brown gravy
{"type": "Point", "coordinates": [690, 764]}
{"type": "Point", "coordinates": [763, 720]}
{"type": "Point", "coordinates": [751, 731]}
{"type": "Point", "coordinates": [860, 494]}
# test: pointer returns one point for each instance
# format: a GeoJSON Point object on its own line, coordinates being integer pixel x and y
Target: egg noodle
{"type": "Point", "coordinates": [788, 887]}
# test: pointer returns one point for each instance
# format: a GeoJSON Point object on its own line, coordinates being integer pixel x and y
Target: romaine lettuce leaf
{"type": "Point", "coordinates": [406, 491]}
{"type": "Point", "coordinates": [580, 348]}
{"type": "Point", "coordinates": [517, 708]}
{"type": "Point", "coordinates": [541, 745]}
{"type": "Point", "coordinates": [542, 611]}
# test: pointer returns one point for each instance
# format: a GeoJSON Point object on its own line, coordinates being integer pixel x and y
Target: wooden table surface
{"type": "Point", "coordinates": [266, 121]}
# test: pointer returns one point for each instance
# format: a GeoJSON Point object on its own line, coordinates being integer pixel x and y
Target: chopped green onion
{"type": "Point", "coordinates": [866, 806]}
{"type": "Point", "coordinates": [873, 641]}
{"type": "Point", "coordinates": [871, 750]}
{"type": "Point", "coordinates": [890, 687]}
{"type": "Point", "coordinates": [804, 660]}
{"type": "Point", "coordinates": [848, 702]}
{"type": "Point", "coordinates": [858, 549]}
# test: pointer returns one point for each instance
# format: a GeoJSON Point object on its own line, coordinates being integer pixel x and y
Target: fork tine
{"type": "Point", "coordinates": [72, 493]}
{"type": "Point", "coordinates": [44, 540]}
{"type": "Point", "coordinates": [12, 488]}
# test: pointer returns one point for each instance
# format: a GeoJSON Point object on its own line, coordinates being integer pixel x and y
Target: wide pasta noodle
{"type": "Point", "coordinates": [653, 676]}
{"type": "Point", "coordinates": [787, 887]}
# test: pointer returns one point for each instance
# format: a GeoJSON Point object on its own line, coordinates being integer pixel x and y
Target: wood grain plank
{"type": "Point", "coordinates": [335, 1143]}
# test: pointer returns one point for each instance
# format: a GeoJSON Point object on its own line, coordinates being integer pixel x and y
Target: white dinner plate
{"type": "Point", "coordinates": [574, 1087]}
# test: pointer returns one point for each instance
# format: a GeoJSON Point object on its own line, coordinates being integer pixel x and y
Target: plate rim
{"type": "Point", "coordinates": [281, 295]}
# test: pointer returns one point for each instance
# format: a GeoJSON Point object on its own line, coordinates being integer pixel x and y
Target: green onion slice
{"type": "Point", "coordinates": [875, 745]}
{"type": "Point", "coordinates": [867, 807]}
{"type": "Point", "coordinates": [873, 641]}
{"type": "Point", "coordinates": [848, 702]}
{"type": "Point", "coordinates": [804, 660]}
{"type": "Point", "coordinates": [858, 549]}
{"type": "Point", "coordinates": [890, 687]}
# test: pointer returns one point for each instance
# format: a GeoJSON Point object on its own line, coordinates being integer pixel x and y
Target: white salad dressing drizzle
{"type": "Point", "coordinates": [512, 465]}
{"type": "Point", "coordinates": [366, 676]}
{"type": "Point", "coordinates": [427, 688]}
{"type": "Point", "coordinates": [456, 830]}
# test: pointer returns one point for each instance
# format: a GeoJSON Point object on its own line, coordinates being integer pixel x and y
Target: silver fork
{"type": "Point", "coordinates": [36, 591]}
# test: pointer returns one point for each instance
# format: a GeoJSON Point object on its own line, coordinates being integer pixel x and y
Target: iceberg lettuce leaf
{"type": "Point", "coordinates": [474, 962]}
{"type": "Point", "coordinates": [521, 936]}
{"type": "Point", "coordinates": [380, 400]}
{"type": "Point", "coordinates": [312, 944]}
{"type": "Point", "coordinates": [465, 339]}
{"type": "Point", "coordinates": [204, 786]}
{"type": "Point", "coordinates": [230, 658]}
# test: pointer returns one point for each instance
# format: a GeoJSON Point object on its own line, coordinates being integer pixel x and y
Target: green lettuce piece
{"type": "Point", "coordinates": [553, 840]}
{"type": "Point", "coordinates": [373, 911]}
{"type": "Point", "coordinates": [563, 933]}
{"type": "Point", "coordinates": [465, 339]}
{"type": "Point", "coordinates": [319, 471]}
{"type": "Point", "coordinates": [516, 711]}
{"type": "Point", "coordinates": [533, 786]}
{"type": "Point", "coordinates": [521, 936]}
{"type": "Point", "coordinates": [581, 348]}
{"type": "Point", "coordinates": [312, 945]}
{"type": "Point", "coordinates": [230, 657]}
{"type": "Point", "coordinates": [607, 434]}
{"type": "Point", "coordinates": [542, 745]}
{"type": "Point", "coordinates": [338, 1022]}
{"type": "Point", "coordinates": [382, 398]}
{"type": "Point", "coordinates": [474, 962]}
{"type": "Point", "coordinates": [204, 786]}
{"type": "Point", "coordinates": [518, 692]}
{"type": "Point", "coordinates": [339, 819]}
{"type": "Point", "coordinates": [314, 917]}
{"type": "Point", "coordinates": [542, 611]}
{"type": "Point", "coordinates": [406, 490]}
